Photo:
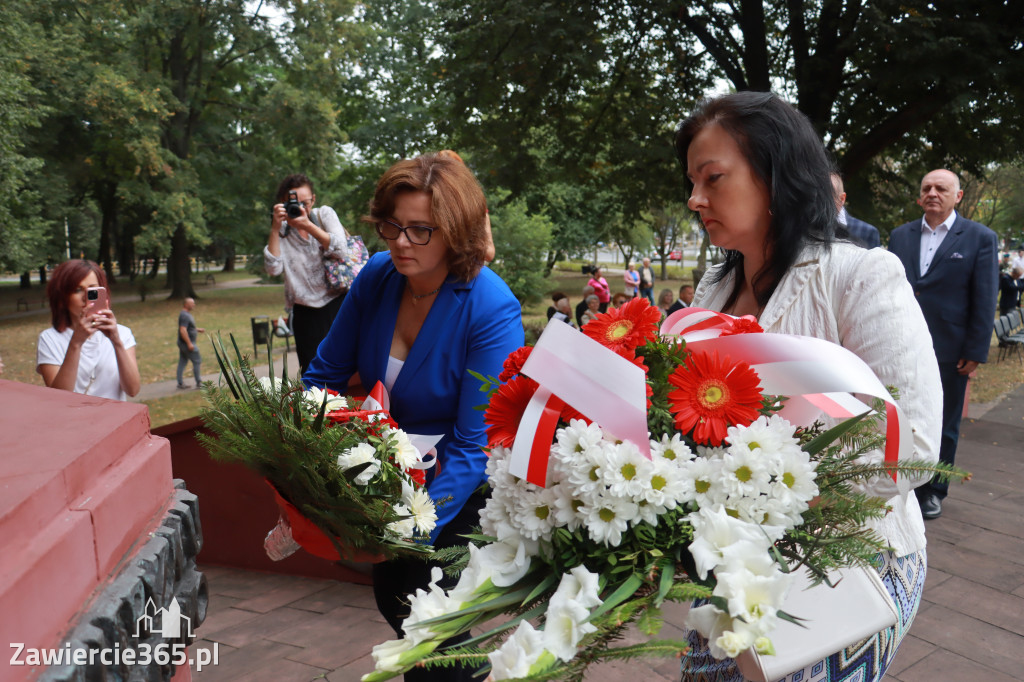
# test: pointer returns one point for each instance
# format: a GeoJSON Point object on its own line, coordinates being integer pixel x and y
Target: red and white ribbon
{"type": "Point", "coordinates": [573, 369]}
{"type": "Point", "coordinates": [426, 455]}
{"type": "Point", "coordinates": [816, 375]}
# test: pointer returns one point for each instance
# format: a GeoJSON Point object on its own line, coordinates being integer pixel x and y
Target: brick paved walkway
{"type": "Point", "coordinates": [970, 625]}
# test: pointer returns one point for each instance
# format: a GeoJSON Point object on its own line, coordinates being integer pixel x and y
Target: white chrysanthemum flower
{"type": "Point", "coordinates": [497, 469]}
{"type": "Point", "coordinates": [362, 453]}
{"type": "Point", "coordinates": [673, 449]}
{"type": "Point", "coordinates": [566, 507]}
{"type": "Point", "coordinates": [720, 539]}
{"type": "Point", "coordinates": [564, 627]}
{"type": "Point", "coordinates": [743, 473]}
{"type": "Point", "coordinates": [576, 438]}
{"type": "Point", "coordinates": [517, 654]}
{"type": "Point", "coordinates": [271, 387]}
{"type": "Point", "coordinates": [584, 474]}
{"type": "Point", "coordinates": [406, 454]}
{"type": "Point", "coordinates": [403, 527]}
{"type": "Point", "coordinates": [315, 397]}
{"type": "Point", "coordinates": [496, 521]}
{"type": "Point", "coordinates": [775, 514]}
{"type": "Point", "coordinates": [793, 477]}
{"type": "Point", "coordinates": [534, 512]}
{"type": "Point", "coordinates": [765, 434]}
{"type": "Point", "coordinates": [424, 513]}
{"type": "Point", "coordinates": [607, 518]}
{"type": "Point", "coordinates": [627, 473]}
{"type": "Point", "coordinates": [701, 474]}
{"type": "Point", "coordinates": [667, 487]}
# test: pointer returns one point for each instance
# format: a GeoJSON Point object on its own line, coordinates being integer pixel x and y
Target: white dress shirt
{"type": "Point", "coordinates": [931, 239]}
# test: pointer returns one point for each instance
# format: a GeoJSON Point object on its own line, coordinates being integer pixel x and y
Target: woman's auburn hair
{"type": "Point", "coordinates": [457, 206]}
{"type": "Point", "coordinates": [787, 155]}
{"type": "Point", "coordinates": [63, 281]}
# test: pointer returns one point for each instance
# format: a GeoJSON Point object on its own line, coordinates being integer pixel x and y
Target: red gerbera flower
{"type": "Point", "coordinates": [632, 325]}
{"type": "Point", "coordinates": [505, 410]}
{"type": "Point", "coordinates": [743, 325]}
{"type": "Point", "coordinates": [712, 395]}
{"type": "Point", "coordinates": [514, 363]}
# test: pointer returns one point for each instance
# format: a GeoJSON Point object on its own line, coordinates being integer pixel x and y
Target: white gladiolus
{"type": "Point", "coordinates": [360, 454]}
{"type": "Point", "coordinates": [519, 652]}
{"type": "Point", "coordinates": [564, 628]}
{"type": "Point", "coordinates": [424, 605]}
{"type": "Point", "coordinates": [386, 655]}
{"type": "Point", "coordinates": [579, 585]}
{"type": "Point", "coordinates": [506, 562]}
{"type": "Point", "coordinates": [720, 539]}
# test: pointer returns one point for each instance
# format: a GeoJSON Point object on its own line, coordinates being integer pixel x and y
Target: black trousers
{"type": "Point", "coordinates": [394, 580]}
{"type": "Point", "coordinates": [310, 326]}
{"type": "Point", "coordinates": [954, 389]}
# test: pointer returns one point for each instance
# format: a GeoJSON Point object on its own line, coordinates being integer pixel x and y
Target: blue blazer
{"type": "Point", "coordinates": [471, 325]}
{"type": "Point", "coordinates": [862, 233]}
{"type": "Point", "coordinates": [958, 293]}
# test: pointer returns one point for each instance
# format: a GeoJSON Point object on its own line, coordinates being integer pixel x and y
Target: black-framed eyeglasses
{"type": "Point", "coordinates": [416, 234]}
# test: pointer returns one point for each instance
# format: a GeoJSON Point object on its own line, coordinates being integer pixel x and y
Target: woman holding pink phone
{"type": "Point", "coordinates": [86, 350]}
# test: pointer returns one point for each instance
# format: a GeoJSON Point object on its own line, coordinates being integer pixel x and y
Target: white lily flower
{"type": "Point", "coordinates": [518, 653]}
{"type": "Point", "coordinates": [360, 454]}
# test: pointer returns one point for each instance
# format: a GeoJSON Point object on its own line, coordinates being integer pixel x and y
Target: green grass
{"type": "Point", "coordinates": [229, 311]}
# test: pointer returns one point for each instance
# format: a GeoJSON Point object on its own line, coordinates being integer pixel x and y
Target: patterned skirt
{"type": "Point", "coordinates": [865, 661]}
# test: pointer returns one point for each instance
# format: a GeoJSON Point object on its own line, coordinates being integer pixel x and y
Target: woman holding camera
{"type": "Point", "coordinates": [86, 350]}
{"type": "Point", "coordinates": [300, 238]}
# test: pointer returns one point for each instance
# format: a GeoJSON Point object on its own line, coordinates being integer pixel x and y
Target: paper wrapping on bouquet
{"type": "Point", "coordinates": [571, 368]}
{"type": "Point", "coordinates": [816, 375]}
{"type": "Point", "coordinates": [311, 538]}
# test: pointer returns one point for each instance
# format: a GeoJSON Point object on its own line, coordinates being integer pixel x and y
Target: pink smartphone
{"type": "Point", "coordinates": [96, 299]}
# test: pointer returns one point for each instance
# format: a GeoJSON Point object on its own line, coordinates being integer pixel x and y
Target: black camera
{"type": "Point", "coordinates": [293, 207]}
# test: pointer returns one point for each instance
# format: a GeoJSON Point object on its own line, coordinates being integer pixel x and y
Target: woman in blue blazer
{"type": "Point", "coordinates": [418, 318]}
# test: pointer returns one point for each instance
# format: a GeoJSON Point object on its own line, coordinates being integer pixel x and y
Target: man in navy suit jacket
{"type": "Point", "coordinates": [952, 264]}
{"type": "Point", "coordinates": [861, 233]}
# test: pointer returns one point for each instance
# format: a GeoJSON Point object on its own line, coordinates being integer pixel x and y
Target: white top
{"type": "Point", "coordinates": [391, 374]}
{"type": "Point", "coordinates": [931, 239]}
{"type": "Point", "coordinates": [302, 260]}
{"type": "Point", "coordinates": [97, 365]}
{"type": "Point", "coordinates": [861, 300]}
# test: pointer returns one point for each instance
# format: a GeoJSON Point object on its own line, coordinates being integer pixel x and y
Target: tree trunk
{"type": "Point", "coordinates": [229, 263]}
{"type": "Point", "coordinates": [107, 196]}
{"type": "Point", "coordinates": [42, 275]}
{"type": "Point", "coordinates": [26, 280]}
{"type": "Point", "coordinates": [179, 271]}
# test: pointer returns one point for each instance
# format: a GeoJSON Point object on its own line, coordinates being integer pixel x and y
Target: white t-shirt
{"type": "Point", "coordinates": [97, 366]}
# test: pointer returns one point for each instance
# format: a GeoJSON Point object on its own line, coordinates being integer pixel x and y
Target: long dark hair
{"type": "Point", "coordinates": [787, 155]}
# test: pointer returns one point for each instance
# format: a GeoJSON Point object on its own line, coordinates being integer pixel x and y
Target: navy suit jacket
{"type": "Point", "coordinates": [471, 325]}
{"type": "Point", "coordinates": [862, 233]}
{"type": "Point", "coordinates": [958, 293]}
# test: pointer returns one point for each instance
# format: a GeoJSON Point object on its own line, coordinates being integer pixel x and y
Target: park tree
{"type": "Point", "coordinates": [919, 82]}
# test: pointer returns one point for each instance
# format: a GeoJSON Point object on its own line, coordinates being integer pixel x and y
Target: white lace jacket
{"type": "Point", "coordinates": [861, 300]}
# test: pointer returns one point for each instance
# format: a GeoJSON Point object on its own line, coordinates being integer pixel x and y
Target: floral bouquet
{"type": "Point", "coordinates": [348, 481]}
{"type": "Point", "coordinates": [630, 467]}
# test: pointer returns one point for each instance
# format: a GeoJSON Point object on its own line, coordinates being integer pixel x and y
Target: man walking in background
{"type": "Point", "coordinates": [952, 264]}
{"type": "Point", "coordinates": [647, 280]}
{"type": "Point", "coordinates": [187, 349]}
